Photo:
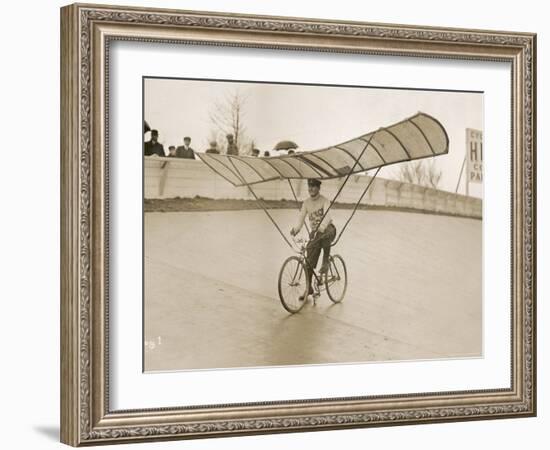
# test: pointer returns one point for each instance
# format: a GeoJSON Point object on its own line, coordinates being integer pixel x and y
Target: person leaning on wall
{"type": "Point", "coordinates": [213, 148]}
{"type": "Point", "coordinates": [153, 146]}
{"type": "Point", "coordinates": [185, 150]}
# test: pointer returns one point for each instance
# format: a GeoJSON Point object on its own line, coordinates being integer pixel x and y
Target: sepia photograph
{"type": "Point", "coordinates": [292, 224]}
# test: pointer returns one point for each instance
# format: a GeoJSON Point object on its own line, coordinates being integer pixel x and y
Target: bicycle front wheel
{"type": "Point", "coordinates": [293, 284]}
{"type": "Point", "coordinates": [336, 280]}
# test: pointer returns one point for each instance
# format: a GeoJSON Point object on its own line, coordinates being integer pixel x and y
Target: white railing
{"type": "Point", "coordinates": [170, 178]}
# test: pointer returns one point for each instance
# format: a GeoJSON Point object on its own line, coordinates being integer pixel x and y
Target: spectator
{"type": "Point", "coordinates": [290, 152]}
{"type": "Point", "coordinates": [172, 151]}
{"type": "Point", "coordinates": [185, 150]}
{"type": "Point", "coordinates": [255, 152]}
{"type": "Point", "coordinates": [213, 148]}
{"type": "Point", "coordinates": [231, 146]}
{"type": "Point", "coordinates": [153, 147]}
{"type": "Point", "coordinates": [267, 154]}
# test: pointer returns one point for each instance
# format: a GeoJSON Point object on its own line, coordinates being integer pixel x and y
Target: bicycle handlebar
{"type": "Point", "coordinates": [300, 243]}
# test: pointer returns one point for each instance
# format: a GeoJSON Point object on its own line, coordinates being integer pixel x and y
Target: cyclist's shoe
{"type": "Point", "coordinates": [303, 297]}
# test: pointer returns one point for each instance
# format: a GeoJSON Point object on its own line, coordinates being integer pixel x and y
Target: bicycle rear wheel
{"type": "Point", "coordinates": [336, 280]}
{"type": "Point", "coordinates": [293, 284]}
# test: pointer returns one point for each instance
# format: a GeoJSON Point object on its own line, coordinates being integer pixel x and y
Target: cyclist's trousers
{"type": "Point", "coordinates": [320, 241]}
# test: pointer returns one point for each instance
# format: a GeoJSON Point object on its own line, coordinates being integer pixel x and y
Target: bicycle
{"type": "Point", "coordinates": [294, 285]}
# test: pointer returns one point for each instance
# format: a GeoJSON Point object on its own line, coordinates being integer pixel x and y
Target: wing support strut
{"type": "Point", "coordinates": [261, 204]}
{"type": "Point", "coordinates": [297, 201]}
{"type": "Point", "coordinates": [355, 209]}
{"type": "Point", "coordinates": [349, 174]}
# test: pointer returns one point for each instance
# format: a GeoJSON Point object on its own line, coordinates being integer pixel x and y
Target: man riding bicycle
{"type": "Point", "coordinates": [322, 231]}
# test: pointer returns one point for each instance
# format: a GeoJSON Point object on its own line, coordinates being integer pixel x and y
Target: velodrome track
{"type": "Point", "coordinates": [414, 291]}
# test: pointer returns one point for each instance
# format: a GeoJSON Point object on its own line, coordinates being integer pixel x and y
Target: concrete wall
{"type": "Point", "coordinates": [169, 178]}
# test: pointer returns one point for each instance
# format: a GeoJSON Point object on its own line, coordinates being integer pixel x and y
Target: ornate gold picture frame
{"type": "Point", "coordinates": [87, 414]}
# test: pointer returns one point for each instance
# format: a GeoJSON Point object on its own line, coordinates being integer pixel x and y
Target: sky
{"type": "Point", "coordinates": [312, 116]}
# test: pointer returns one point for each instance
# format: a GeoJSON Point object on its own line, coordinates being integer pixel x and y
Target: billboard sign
{"type": "Point", "coordinates": [474, 155]}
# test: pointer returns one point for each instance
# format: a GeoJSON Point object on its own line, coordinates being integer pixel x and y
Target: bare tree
{"type": "Point", "coordinates": [228, 117]}
{"type": "Point", "coordinates": [422, 173]}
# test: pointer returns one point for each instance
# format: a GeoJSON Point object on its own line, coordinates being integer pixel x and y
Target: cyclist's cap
{"type": "Point", "coordinates": [313, 182]}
